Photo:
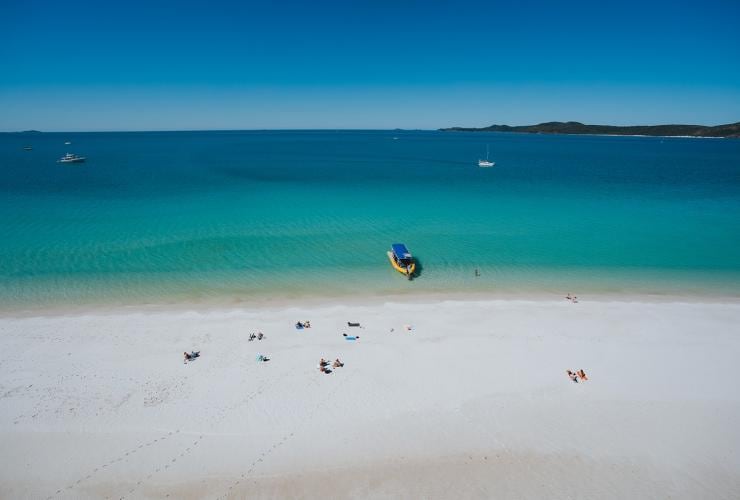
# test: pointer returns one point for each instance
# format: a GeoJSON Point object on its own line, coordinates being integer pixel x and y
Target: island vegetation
{"type": "Point", "coordinates": [729, 130]}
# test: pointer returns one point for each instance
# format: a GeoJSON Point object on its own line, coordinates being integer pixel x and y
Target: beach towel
{"type": "Point", "coordinates": [350, 337]}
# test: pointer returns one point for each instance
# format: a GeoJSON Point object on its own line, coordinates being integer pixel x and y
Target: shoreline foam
{"type": "Point", "coordinates": [277, 303]}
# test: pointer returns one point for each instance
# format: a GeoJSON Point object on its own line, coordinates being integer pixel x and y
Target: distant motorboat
{"type": "Point", "coordinates": [72, 158]}
{"type": "Point", "coordinates": [27, 148]}
{"type": "Point", "coordinates": [68, 143]}
{"type": "Point", "coordinates": [486, 162]}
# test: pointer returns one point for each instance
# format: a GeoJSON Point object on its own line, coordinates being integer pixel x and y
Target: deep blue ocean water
{"type": "Point", "coordinates": [195, 216]}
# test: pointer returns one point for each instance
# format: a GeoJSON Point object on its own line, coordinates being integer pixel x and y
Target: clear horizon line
{"type": "Point", "coordinates": [262, 129]}
{"type": "Point", "coordinates": [106, 131]}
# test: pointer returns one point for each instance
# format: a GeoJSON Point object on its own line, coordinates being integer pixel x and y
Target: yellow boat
{"type": "Point", "coordinates": [402, 260]}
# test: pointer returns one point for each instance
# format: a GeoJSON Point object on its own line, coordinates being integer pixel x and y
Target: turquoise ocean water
{"type": "Point", "coordinates": [198, 216]}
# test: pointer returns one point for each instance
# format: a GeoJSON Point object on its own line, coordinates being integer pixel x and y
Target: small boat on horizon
{"type": "Point", "coordinates": [72, 158]}
{"type": "Point", "coordinates": [27, 148]}
{"type": "Point", "coordinates": [402, 260]}
{"type": "Point", "coordinates": [67, 143]}
{"type": "Point", "coordinates": [486, 162]}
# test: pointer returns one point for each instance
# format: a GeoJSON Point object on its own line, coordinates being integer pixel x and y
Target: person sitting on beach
{"type": "Point", "coordinates": [572, 376]}
{"type": "Point", "coordinates": [260, 336]}
{"type": "Point", "coordinates": [569, 297]}
{"type": "Point", "coordinates": [337, 363]}
{"type": "Point", "coordinates": [306, 324]}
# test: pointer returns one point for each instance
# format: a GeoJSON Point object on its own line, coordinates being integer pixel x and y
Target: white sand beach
{"type": "Point", "coordinates": [472, 402]}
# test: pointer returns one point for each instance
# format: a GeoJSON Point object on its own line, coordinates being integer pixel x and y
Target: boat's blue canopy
{"type": "Point", "coordinates": [400, 251]}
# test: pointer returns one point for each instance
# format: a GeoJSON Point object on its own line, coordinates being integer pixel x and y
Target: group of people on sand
{"type": "Point", "coordinates": [576, 376]}
{"type": "Point", "coordinates": [572, 298]}
{"type": "Point", "coordinates": [326, 367]}
{"type": "Point", "coordinates": [258, 336]}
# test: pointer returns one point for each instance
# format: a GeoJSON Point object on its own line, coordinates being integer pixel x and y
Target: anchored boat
{"type": "Point", "coordinates": [72, 158]}
{"type": "Point", "coordinates": [402, 260]}
{"type": "Point", "coordinates": [486, 162]}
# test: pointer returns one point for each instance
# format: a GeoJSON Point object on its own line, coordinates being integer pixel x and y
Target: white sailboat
{"type": "Point", "coordinates": [486, 163]}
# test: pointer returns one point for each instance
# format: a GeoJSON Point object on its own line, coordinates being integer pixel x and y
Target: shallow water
{"type": "Point", "coordinates": [183, 216]}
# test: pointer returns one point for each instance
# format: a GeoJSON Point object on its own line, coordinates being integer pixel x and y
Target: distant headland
{"type": "Point", "coordinates": [729, 130]}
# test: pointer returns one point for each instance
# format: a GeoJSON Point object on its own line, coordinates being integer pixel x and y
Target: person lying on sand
{"type": "Point", "coordinates": [306, 324]}
{"type": "Point", "coordinates": [582, 375]}
{"type": "Point", "coordinates": [252, 336]}
{"type": "Point", "coordinates": [324, 369]}
{"type": "Point", "coordinates": [323, 362]}
{"type": "Point", "coordinates": [191, 356]}
{"type": "Point", "coordinates": [262, 357]}
{"type": "Point", "coordinates": [337, 363]}
{"type": "Point", "coordinates": [572, 376]}
{"type": "Point", "coordinates": [260, 336]}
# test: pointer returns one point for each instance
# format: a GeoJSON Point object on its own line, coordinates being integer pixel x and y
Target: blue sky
{"type": "Point", "coordinates": [365, 64]}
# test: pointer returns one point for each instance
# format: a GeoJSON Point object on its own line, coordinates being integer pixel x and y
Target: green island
{"type": "Point", "coordinates": [729, 130]}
